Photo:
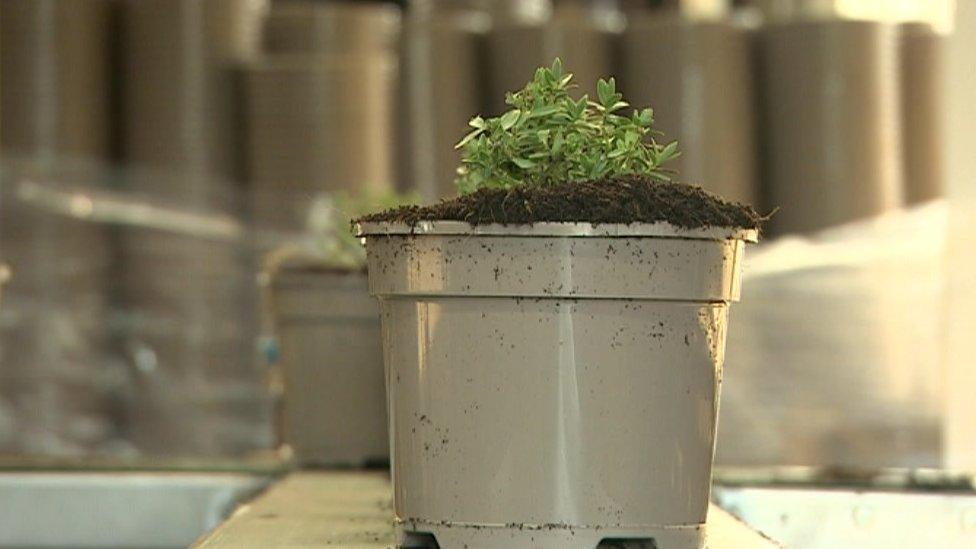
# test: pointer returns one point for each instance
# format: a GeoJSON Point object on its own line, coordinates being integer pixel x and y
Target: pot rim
{"type": "Point", "coordinates": [556, 229]}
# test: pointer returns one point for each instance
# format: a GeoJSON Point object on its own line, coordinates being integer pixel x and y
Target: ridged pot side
{"type": "Point", "coordinates": [555, 382]}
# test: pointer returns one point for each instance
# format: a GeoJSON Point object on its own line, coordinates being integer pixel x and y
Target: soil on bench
{"type": "Point", "coordinates": [623, 199]}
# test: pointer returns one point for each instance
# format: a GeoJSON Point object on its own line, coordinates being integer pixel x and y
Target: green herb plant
{"type": "Point", "coordinates": [548, 138]}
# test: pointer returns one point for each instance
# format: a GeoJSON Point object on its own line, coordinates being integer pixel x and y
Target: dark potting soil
{"type": "Point", "coordinates": [623, 199]}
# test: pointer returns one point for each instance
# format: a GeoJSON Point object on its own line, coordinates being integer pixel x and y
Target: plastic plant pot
{"type": "Point", "coordinates": [334, 408]}
{"type": "Point", "coordinates": [552, 385]}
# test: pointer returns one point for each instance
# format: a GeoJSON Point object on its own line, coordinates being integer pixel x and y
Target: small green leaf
{"type": "Point", "coordinates": [544, 110]}
{"type": "Point", "coordinates": [509, 119]}
{"type": "Point", "coordinates": [668, 152]}
{"type": "Point", "coordinates": [557, 68]}
{"type": "Point", "coordinates": [646, 117]}
{"type": "Point", "coordinates": [550, 78]}
{"type": "Point", "coordinates": [603, 91]}
{"type": "Point", "coordinates": [524, 163]}
{"type": "Point", "coordinates": [477, 122]}
{"type": "Point", "coordinates": [467, 138]}
{"type": "Point", "coordinates": [557, 143]}
{"type": "Point", "coordinates": [540, 75]}
{"type": "Point", "coordinates": [580, 106]}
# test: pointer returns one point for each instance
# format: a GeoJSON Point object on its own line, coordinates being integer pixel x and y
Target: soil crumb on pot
{"type": "Point", "coordinates": [622, 199]}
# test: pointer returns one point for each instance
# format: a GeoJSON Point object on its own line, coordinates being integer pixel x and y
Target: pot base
{"type": "Point", "coordinates": [451, 535]}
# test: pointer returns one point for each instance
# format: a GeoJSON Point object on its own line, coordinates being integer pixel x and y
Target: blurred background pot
{"type": "Point", "coordinates": [56, 72]}
{"type": "Point", "coordinates": [698, 76]}
{"type": "Point", "coordinates": [832, 126]}
{"type": "Point", "coordinates": [922, 53]}
{"type": "Point", "coordinates": [516, 357]}
{"type": "Point", "coordinates": [334, 405]}
{"type": "Point", "coordinates": [181, 89]}
{"type": "Point", "coordinates": [441, 90]}
{"type": "Point", "coordinates": [528, 35]}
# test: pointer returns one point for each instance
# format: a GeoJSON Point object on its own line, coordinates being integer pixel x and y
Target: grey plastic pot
{"type": "Point", "coordinates": [553, 385]}
{"type": "Point", "coordinates": [333, 410]}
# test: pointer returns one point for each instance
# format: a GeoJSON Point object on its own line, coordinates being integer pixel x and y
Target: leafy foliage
{"type": "Point", "coordinates": [547, 137]}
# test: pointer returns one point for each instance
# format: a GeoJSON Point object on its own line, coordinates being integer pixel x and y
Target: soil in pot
{"type": "Point", "coordinates": [623, 199]}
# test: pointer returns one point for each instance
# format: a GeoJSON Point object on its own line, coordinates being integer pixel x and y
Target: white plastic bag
{"type": "Point", "coordinates": [835, 354]}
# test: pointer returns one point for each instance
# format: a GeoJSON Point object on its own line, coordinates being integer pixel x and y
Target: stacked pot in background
{"type": "Point", "coordinates": [698, 76]}
{"type": "Point", "coordinates": [831, 122]}
{"type": "Point", "coordinates": [320, 105]}
{"type": "Point", "coordinates": [58, 389]}
{"type": "Point", "coordinates": [922, 52]}
{"type": "Point", "coordinates": [333, 409]}
{"type": "Point", "coordinates": [736, 93]}
{"type": "Point", "coordinates": [321, 108]}
{"type": "Point", "coordinates": [189, 301]}
{"type": "Point", "coordinates": [441, 91]}
{"type": "Point", "coordinates": [527, 35]}
{"type": "Point", "coordinates": [188, 333]}
{"type": "Point", "coordinates": [56, 74]}
{"type": "Point", "coordinates": [180, 95]}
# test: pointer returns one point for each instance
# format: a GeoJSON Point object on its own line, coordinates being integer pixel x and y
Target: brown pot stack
{"type": "Point", "coordinates": [441, 91]}
{"type": "Point", "coordinates": [320, 108]}
{"type": "Point", "coordinates": [56, 75]}
{"type": "Point", "coordinates": [922, 90]}
{"type": "Point", "coordinates": [832, 144]}
{"type": "Point", "coordinates": [518, 43]}
{"type": "Point", "coordinates": [698, 76]}
{"type": "Point", "coordinates": [180, 94]}
{"type": "Point", "coordinates": [56, 383]}
{"type": "Point", "coordinates": [189, 299]}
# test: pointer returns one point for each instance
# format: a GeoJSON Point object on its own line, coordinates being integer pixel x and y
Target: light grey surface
{"type": "Point", "coordinates": [354, 510]}
{"type": "Point", "coordinates": [835, 358]}
{"type": "Point", "coordinates": [804, 518]}
{"type": "Point", "coordinates": [104, 510]}
{"type": "Point", "coordinates": [502, 397]}
{"type": "Point", "coordinates": [312, 509]}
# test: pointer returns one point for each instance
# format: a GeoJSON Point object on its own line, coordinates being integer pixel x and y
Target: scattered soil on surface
{"type": "Point", "coordinates": [624, 199]}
